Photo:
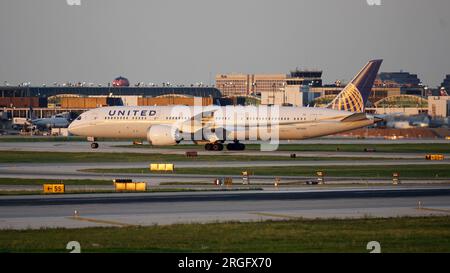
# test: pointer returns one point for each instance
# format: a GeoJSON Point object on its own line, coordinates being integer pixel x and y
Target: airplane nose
{"type": "Point", "coordinates": [73, 128]}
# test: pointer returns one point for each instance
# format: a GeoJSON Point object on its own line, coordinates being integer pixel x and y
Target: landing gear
{"type": "Point", "coordinates": [94, 145]}
{"type": "Point", "coordinates": [214, 146]}
{"type": "Point", "coordinates": [235, 146]}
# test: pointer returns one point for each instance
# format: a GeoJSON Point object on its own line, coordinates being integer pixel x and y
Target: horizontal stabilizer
{"type": "Point", "coordinates": [355, 117]}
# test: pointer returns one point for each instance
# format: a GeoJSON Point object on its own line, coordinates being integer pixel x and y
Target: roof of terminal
{"type": "Point", "coordinates": [141, 91]}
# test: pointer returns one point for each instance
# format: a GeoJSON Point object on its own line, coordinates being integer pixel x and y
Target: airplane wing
{"type": "Point", "coordinates": [205, 119]}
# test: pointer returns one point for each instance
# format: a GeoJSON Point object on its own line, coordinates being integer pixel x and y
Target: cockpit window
{"type": "Point", "coordinates": [79, 118]}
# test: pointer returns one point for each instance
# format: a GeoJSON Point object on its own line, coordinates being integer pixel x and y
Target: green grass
{"type": "Point", "coordinates": [420, 234]}
{"type": "Point", "coordinates": [64, 157]}
{"type": "Point", "coordinates": [385, 148]}
{"type": "Point", "coordinates": [15, 193]}
{"type": "Point", "coordinates": [54, 139]}
{"type": "Point", "coordinates": [40, 139]}
{"type": "Point", "coordinates": [20, 181]}
{"type": "Point", "coordinates": [383, 171]}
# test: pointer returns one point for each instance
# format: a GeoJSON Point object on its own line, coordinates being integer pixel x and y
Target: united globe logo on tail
{"type": "Point", "coordinates": [348, 100]}
{"type": "Point", "coordinates": [354, 96]}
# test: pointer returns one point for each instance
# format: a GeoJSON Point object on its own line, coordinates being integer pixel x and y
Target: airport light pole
{"type": "Point", "coordinates": [273, 93]}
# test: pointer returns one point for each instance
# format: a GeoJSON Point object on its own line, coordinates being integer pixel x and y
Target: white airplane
{"type": "Point", "coordinates": [61, 120]}
{"type": "Point", "coordinates": [215, 125]}
{"type": "Point", "coordinates": [55, 121]}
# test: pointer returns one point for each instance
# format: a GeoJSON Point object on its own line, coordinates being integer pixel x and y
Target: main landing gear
{"type": "Point", "coordinates": [217, 146]}
{"type": "Point", "coordinates": [235, 146]}
{"type": "Point", "coordinates": [214, 146]}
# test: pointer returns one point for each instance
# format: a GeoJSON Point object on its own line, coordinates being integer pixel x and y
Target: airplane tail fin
{"type": "Point", "coordinates": [354, 96]}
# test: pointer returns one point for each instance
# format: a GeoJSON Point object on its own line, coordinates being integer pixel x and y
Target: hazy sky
{"type": "Point", "coordinates": [184, 41]}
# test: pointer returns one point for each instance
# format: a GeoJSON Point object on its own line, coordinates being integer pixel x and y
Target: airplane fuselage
{"type": "Point", "coordinates": [238, 122]}
{"type": "Point", "coordinates": [168, 125]}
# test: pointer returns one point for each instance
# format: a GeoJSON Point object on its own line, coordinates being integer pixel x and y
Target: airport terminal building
{"type": "Point", "coordinates": [16, 101]}
{"type": "Point", "coordinates": [45, 92]}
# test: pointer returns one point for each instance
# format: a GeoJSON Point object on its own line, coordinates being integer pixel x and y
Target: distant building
{"type": "Point", "coordinates": [261, 83]}
{"type": "Point", "coordinates": [439, 106]}
{"type": "Point", "coordinates": [408, 83]}
{"type": "Point", "coordinates": [246, 84]}
{"type": "Point", "coordinates": [329, 91]}
{"type": "Point", "coordinates": [408, 105]}
{"type": "Point", "coordinates": [45, 92]}
{"type": "Point", "coordinates": [400, 78]}
{"type": "Point", "coordinates": [312, 78]}
{"type": "Point", "coordinates": [446, 84]}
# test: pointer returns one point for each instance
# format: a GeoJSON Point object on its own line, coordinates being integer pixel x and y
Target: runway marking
{"type": "Point", "coordinates": [100, 221]}
{"type": "Point", "coordinates": [275, 215]}
{"type": "Point", "coordinates": [438, 210]}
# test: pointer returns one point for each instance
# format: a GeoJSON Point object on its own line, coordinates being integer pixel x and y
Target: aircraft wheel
{"type": "Point", "coordinates": [230, 147]}
{"type": "Point", "coordinates": [208, 146]}
{"type": "Point", "coordinates": [217, 147]}
{"type": "Point", "coordinates": [94, 145]}
{"type": "Point", "coordinates": [235, 146]}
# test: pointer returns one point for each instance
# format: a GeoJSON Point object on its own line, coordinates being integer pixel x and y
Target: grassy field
{"type": "Point", "coordinates": [385, 148]}
{"type": "Point", "coordinates": [412, 171]}
{"type": "Point", "coordinates": [430, 234]}
{"type": "Point", "coordinates": [39, 139]}
{"type": "Point", "coordinates": [63, 157]}
{"type": "Point", "coordinates": [53, 139]}
{"type": "Point", "coordinates": [14, 193]}
{"type": "Point", "coordinates": [20, 181]}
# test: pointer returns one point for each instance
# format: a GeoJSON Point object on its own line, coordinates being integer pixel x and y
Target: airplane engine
{"type": "Point", "coordinates": [160, 135]}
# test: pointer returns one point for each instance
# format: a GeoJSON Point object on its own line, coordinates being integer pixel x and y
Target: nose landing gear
{"type": "Point", "coordinates": [94, 145]}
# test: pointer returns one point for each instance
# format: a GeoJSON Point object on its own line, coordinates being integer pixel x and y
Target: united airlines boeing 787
{"type": "Point", "coordinates": [215, 125]}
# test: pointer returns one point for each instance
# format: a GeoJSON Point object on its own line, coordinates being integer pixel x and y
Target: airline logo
{"type": "Point", "coordinates": [355, 94]}
{"type": "Point", "coordinates": [349, 99]}
{"type": "Point", "coordinates": [132, 113]}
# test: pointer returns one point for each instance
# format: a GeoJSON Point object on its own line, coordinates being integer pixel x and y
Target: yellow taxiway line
{"type": "Point", "coordinates": [100, 221]}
